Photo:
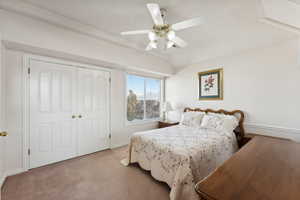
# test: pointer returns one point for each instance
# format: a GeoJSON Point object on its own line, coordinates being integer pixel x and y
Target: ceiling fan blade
{"type": "Point", "coordinates": [135, 32]}
{"type": "Point", "coordinates": [179, 42]}
{"type": "Point", "coordinates": [187, 24]}
{"type": "Point", "coordinates": [155, 13]}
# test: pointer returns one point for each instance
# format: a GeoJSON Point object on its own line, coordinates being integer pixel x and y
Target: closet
{"type": "Point", "coordinates": [69, 111]}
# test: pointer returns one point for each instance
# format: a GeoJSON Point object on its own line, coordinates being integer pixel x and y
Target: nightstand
{"type": "Point", "coordinates": [164, 124]}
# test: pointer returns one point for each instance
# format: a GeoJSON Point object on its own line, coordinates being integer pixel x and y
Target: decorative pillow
{"type": "Point", "coordinates": [220, 121]}
{"type": "Point", "coordinates": [211, 121]}
{"type": "Point", "coordinates": [192, 119]}
{"type": "Point", "coordinates": [230, 122]}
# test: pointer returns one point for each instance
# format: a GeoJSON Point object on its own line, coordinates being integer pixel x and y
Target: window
{"type": "Point", "coordinates": [143, 98]}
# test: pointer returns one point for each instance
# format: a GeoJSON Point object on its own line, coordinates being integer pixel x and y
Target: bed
{"type": "Point", "coordinates": [183, 155]}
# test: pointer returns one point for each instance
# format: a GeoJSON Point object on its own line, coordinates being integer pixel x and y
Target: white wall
{"type": "Point", "coordinates": [2, 142]}
{"type": "Point", "coordinates": [264, 83]}
{"type": "Point", "coordinates": [121, 132]}
{"type": "Point", "coordinates": [43, 38]}
{"type": "Point", "coordinates": [14, 90]}
{"type": "Point", "coordinates": [13, 64]}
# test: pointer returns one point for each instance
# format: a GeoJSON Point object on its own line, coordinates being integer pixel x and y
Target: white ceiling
{"type": "Point", "coordinates": [230, 26]}
{"type": "Point", "coordinates": [295, 1]}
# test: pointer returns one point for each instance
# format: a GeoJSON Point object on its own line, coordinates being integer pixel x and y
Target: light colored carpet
{"type": "Point", "coordinates": [98, 176]}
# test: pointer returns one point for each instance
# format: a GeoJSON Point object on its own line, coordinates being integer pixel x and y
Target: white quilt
{"type": "Point", "coordinates": [181, 156]}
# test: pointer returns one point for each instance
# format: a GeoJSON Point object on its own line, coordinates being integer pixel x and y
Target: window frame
{"type": "Point", "coordinates": [161, 92]}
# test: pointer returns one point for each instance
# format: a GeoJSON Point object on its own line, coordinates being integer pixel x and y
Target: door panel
{"type": "Point", "coordinates": [52, 104]}
{"type": "Point", "coordinates": [93, 106]}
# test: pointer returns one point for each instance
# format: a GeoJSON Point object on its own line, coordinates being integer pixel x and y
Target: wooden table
{"type": "Point", "coordinates": [264, 169]}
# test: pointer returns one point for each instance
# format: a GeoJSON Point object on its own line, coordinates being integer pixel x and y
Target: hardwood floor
{"type": "Point", "coordinates": [96, 176]}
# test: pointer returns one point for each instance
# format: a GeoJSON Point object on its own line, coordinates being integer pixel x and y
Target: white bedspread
{"type": "Point", "coordinates": [181, 156]}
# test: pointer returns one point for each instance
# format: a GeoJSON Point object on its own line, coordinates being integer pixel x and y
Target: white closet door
{"type": "Point", "coordinates": [93, 108]}
{"type": "Point", "coordinates": [52, 103]}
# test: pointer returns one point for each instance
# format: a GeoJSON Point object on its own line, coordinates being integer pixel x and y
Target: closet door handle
{"type": "Point", "coordinates": [73, 116]}
{"type": "Point", "coordinates": [79, 116]}
{"type": "Point", "coordinates": [3, 134]}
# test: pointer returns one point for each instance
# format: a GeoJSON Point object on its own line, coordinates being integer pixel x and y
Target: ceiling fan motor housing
{"type": "Point", "coordinates": [161, 30]}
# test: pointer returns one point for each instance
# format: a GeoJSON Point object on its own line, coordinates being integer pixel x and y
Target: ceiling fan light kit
{"type": "Point", "coordinates": [152, 36]}
{"type": "Point", "coordinates": [171, 35]}
{"type": "Point", "coordinates": [161, 31]}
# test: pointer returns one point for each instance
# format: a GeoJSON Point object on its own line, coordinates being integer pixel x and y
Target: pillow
{"type": "Point", "coordinates": [220, 122]}
{"type": "Point", "coordinates": [230, 122]}
{"type": "Point", "coordinates": [192, 119]}
{"type": "Point", "coordinates": [211, 121]}
{"type": "Point", "coordinates": [174, 115]}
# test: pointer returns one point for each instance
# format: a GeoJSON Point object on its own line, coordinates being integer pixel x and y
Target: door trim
{"type": "Point", "coordinates": [26, 97]}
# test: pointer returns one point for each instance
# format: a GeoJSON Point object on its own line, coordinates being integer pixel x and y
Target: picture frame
{"type": "Point", "coordinates": [211, 84]}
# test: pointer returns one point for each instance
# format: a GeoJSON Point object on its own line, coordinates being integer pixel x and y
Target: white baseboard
{"type": "Point", "coordinates": [120, 144]}
{"type": "Point", "coordinates": [2, 179]}
{"type": "Point", "coordinates": [275, 131]}
{"type": "Point", "coordinates": [14, 172]}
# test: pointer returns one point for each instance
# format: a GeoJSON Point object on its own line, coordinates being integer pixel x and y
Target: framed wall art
{"type": "Point", "coordinates": [211, 85]}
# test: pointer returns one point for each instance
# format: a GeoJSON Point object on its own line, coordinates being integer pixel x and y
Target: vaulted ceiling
{"type": "Point", "coordinates": [295, 1]}
{"type": "Point", "coordinates": [230, 26]}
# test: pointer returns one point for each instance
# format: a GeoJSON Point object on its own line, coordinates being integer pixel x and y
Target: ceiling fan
{"type": "Point", "coordinates": [163, 30]}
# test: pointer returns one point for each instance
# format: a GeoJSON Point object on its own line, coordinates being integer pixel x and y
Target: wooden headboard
{"type": "Point", "coordinates": [239, 131]}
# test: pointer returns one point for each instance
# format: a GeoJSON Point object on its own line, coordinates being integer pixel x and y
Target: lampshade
{"type": "Point", "coordinates": [166, 107]}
